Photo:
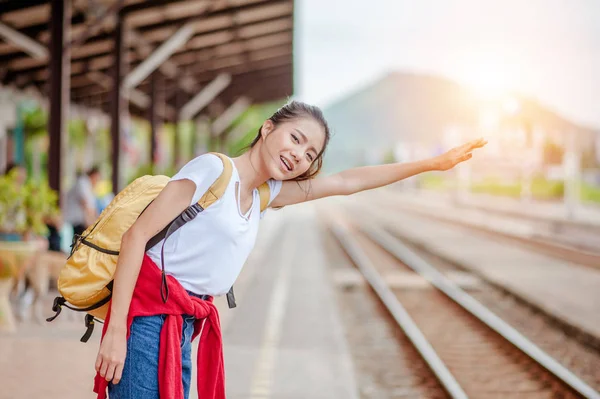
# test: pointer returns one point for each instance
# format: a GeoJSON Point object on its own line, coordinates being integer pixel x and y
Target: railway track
{"type": "Point", "coordinates": [470, 351]}
{"type": "Point", "coordinates": [565, 240]}
{"type": "Point", "coordinates": [387, 214]}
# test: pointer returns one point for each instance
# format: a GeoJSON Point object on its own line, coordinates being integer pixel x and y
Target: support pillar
{"type": "Point", "coordinates": [153, 116]}
{"type": "Point", "coordinates": [116, 103]}
{"type": "Point", "coordinates": [60, 73]}
{"type": "Point", "coordinates": [180, 99]}
{"type": "Point", "coordinates": [3, 148]}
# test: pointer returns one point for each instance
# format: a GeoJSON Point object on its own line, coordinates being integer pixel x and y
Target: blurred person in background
{"type": "Point", "coordinates": [81, 206]}
{"type": "Point", "coordinates": [104, 196]}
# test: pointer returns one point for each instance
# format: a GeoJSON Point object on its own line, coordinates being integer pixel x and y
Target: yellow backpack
{"type": "Point", "coordinates": [85, 281]}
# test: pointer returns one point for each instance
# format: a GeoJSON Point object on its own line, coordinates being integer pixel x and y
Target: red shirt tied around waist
{"type": "Point", "coordinates": [146, 301]}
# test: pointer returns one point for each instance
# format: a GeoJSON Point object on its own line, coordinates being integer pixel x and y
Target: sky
{"type": "Point", "coordinates": [548, 49]}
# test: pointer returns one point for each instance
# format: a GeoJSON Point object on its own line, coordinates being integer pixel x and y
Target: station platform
{"type": "Point", "coordinates": [284, 339]}
{"type": "Point", "coordinates": [564, 290]}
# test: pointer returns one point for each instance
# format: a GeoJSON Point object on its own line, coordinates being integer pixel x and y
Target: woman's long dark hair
{"type": "Point", "coordinates": [294, 110]}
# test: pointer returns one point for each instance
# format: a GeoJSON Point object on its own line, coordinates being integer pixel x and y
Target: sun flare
{"type": "Point", "coordinates": [489, 78]}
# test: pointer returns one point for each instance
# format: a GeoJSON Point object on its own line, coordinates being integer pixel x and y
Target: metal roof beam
{"type": "Point", "coordinates": [203, 76]}
{"type": "Point", "coordinates": [142, 46]}
{"type": "Point", "coordinates": [147, 4]}
{"type": "Point", "coordinates": [98, 48]}
{"type": "Point", "coordinates": [20, 5]}
{"type": "Point", "coordinates": [137, 97]}
{"type": "Point", "coordinates": [168, 68]}
{"type": "Point", "coordinates": [160, 55]}
{"type": "Point", "coordinates": [77, 19]}
{"type": "Point", "coordinates": [107, 17]}
{"type": "Point", "coordinates": [259, 59]}
{"type": "Point", "coordinates": [229, 116]}
{"type": "Point", "coordinates": [202, 99]}
{"type": "Point", "coordinates": [24, 42]}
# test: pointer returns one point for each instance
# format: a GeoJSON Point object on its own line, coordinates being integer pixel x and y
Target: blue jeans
{"type": "Point", "coordinates": [140, 372]}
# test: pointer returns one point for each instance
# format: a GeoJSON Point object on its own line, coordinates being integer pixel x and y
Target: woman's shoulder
{"type": "Point", "coordinates": [202, 170]}
{"type": "Point", "coordinates": [273, 182]}
{"type": "Point", "coordinates": [274, 188]}
{"type": "Point", "coordinates": [205, 163]}
{"type": "Point", "coordinates": [208, 160]}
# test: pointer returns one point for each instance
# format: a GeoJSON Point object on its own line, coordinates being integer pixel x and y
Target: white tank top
{"type": "Point", "coordinates": [206, 255]}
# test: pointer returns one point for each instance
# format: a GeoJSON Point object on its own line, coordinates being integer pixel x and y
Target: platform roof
{"type": "Point", "coordinates": [251, 40]}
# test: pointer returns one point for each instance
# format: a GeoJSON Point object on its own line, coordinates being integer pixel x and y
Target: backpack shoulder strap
{"type": "Point", "coordinates": [216, 190]}
{"type": "Point", "coordinates": [265, 194]}
{"type": "Point", "coordinates": [220, 185]}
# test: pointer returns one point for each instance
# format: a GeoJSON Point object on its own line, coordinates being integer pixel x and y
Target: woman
{"type": "Point", "coordinates": [287, 153]}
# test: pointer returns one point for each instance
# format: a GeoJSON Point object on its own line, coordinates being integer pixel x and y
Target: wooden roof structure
{"type": "Point", "coordinates": [162, 59]}
{"type": "Point", "coordinates": [250, 40]}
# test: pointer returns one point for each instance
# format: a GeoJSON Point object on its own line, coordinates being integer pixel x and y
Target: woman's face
{"type": "Point", "coordinates": [292, 146]}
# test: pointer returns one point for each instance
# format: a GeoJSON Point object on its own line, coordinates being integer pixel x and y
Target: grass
{"type": "Point", "coordinates": [590, 193]}
{"type": "Point", "coordinates": [541, 188]}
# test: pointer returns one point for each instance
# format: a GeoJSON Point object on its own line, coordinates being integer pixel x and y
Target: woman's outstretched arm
{"type": "Point", "coordinates": [368, 177]}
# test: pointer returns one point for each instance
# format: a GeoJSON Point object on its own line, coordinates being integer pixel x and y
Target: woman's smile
{"type": "Point", "coordinates": [289, 166]}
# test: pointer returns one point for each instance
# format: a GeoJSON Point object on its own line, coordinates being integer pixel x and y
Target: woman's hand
{"type": "Point", "coordinates": [450, 159]}
{"type": "Point", "coordinates": [111, 355]}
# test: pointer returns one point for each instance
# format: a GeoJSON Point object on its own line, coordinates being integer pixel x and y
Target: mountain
{"type": "Point", "coordinates": [406, 107]}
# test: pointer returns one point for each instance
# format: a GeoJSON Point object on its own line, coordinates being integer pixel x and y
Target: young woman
{"type": "Point", "coordinates": [205, 256]}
